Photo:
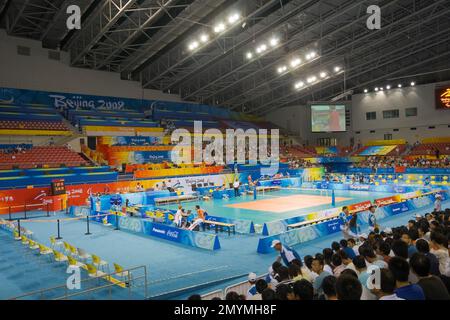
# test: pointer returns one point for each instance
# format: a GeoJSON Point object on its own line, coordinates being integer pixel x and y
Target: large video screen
{"type": "Point", "coordinates": [443, 98]}
{"type": "Point", "coordinates": [328, 118]}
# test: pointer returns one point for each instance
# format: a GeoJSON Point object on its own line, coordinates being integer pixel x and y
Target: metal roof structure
{"type": "Point", "coordinates": [242, 54]}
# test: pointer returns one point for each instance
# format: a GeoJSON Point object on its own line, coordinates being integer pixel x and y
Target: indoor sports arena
{"type": "Point", "coordinates": [204, 149]}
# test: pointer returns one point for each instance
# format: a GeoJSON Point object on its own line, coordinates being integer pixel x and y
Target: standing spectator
{"type": "Point", "coordinates": [406, 238]}
{"type": "Point", "coordinates": [286, 254]}
{"type": "Point", "coordinates": [404, 289]}
{"type": "Point", "coordinates": [432, 286]}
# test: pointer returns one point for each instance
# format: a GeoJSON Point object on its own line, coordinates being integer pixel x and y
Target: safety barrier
{"type": "Point", "coordinates": [240, 288]}
{"type": "Point", "coordinates": [138, 281]}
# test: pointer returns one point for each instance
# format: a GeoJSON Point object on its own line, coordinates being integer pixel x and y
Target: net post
{"type": "Point", "coordinates": [59, 231]}
{"type": "Point", "coordinates": [48, 211]}
{"type": "Point", "coordinates": [18, 226]}
{"type": "Point", "coordinates": [117, 222]}
{"type": "Point", "coordinates": [25, 210]}
{"type": "Point", "coordinates": [87, 226]}
{"type": "Point", "coordinates": [9, 213]}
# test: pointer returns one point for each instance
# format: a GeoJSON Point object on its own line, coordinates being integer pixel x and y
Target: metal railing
{"type": "Point", "coordinates": [95, 285]}
{"type": "Point", "coordinates": [240, 288]}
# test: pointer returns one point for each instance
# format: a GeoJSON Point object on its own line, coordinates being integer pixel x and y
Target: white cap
{"type": "Point", "coordinates": [252, 276]}
{"type": "Point", "coordinates": [363, 235]}
{"type": "Point", "coordinates": [388, 230]}
{"type": "Point", "coordinates": [418, 216]}
{"type": "Point", "coordinates": [438, 195]}
{"type": "Point", "coordinates": [275, 242]}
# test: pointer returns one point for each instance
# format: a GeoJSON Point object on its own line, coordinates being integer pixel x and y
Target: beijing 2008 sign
{"type": "Point", "coordinates": [443, 98]}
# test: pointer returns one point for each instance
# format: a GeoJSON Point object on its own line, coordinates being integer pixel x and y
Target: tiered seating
{"type": "Point", "coordinates": [37, 120]}
{"type": "Point", "coordinates": [301, 152]}
{"type": "Point", "coordinates": [33, 125]}
{"type": "Point", "coordinates": [41, 156]}
{"type": "Point", "coordinates": [430, 149]}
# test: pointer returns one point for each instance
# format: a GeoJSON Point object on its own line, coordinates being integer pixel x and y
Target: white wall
{"type": "Point", "coordinates": [420, 97]}
{"type": "Point", "coordinates": [38, 72]}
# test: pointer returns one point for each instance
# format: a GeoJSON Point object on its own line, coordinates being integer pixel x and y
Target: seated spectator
{"type": "Point", "coordinates": [285, 291]}
{"type": "Point", "coordinates": [269, 295]}
{"type": "Point", "coordinates": [303, 290]}
{"type": "Point", "coordinates": [335, 246]}
{"type": "Point", "coordinates": [195, 297]}
{"type": "Point", "coordinates": [363, 277]}
{"type": "Point", "coordinates": [329, 287]}
{"type": "Point", "coordinates": [252, 281]}
{"type": "Point", "coordinates": [384, 249]}
{"type": "Point", "coordinates": [348, 288]}
{"type": "Point", "coordinates": [386, 290]}
{"type": "Point", "coordinates": [260, 286]}
{"type": "Point", "coordinates": [423, 247]}
{"type": "Point", "coordinates": [432, 286]}
{"type": "Point", "coordinates": [439, 247]}
{"type": "Point", "coordinates": [338, 265]}
{"type": "Point", "coordinates": [308, 264]}
{"type": "Point", "coordinates": [371, 258]}
{"type": "Point", "coordinates": [400, 249]}
{"type": "Point", "coordinates": [404, 289]}
{"type": "Point", "coordinates": [234, 296]}
{"type": "Point", "coordinates": [327, 254]}
{"type": "Point", "coordinates": [318, 267]}
{"type": "Point", "coordinates": [406, 237]}
{"type": "Point", "coordinates": [349, 251]}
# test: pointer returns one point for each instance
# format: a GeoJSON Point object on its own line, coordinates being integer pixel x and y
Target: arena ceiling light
{"type": "Point", "coordinates": [313, 79]}
{"type": "Point", "coordinates": [264, 47]}
{"type": "Point", "coordinates": [219, 28]}
{"type": "Point", "coordinates": [296, 62]}
{"type": "Point", "coordinates": [337, 69]}
{"type": "Point", "coordinates": [399, 85]}
{"type": "Point", "coordinates": [413, 84]}
{"type": "Point", "coordinates": [282, 69]}
{"type": "Point", "coordinates": [388, 87]}
{"type": "Point", "coordinates": [376, 89]}
{"type": "Point", "coordinates": [366, 90]}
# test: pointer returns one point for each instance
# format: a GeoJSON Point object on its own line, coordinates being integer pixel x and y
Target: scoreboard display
{"type": "Point", "coordinates": [58, 187]}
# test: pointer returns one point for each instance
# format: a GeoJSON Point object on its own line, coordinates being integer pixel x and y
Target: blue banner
{"type": "Point", "coordinates": [135, 141]}
{"type": "Point", "coordinates": [185, 237]}
{"type": "Point", "coordinates": [142, 157]}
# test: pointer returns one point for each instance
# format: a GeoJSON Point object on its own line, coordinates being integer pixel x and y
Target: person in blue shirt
{"type": "Point", "coordinates": [344, 218]}
{"type": "Point", "coordinates": [348, 251]}
{"type": "Point", "coordinates": [404, 289]}
{"type": "Point", "coordinates": [353, 225]}
{"type": "Point", "coordinates": [372, 219]}
{"type": "Point", "coordinates": [406, 238]}
{"type": "Point", "coordinates": [252, 281]}
{"type": "Point", "coordinates": [286, 254]}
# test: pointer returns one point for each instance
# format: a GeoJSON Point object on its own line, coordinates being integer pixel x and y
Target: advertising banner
{"type": "Point", "coordinates": [195, 239]}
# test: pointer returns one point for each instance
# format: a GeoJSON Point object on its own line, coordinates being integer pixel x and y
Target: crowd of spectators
{"type": "Point", "coordinates": [409, 262]}
{"type": "Point", "coordinates": [375, 162]}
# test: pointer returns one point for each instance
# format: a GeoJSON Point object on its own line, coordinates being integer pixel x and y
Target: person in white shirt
{"type": "Point", "coordinates": [438, 203]}
{"type": "Point", "coordinates": [236, 185]}
{"type": "Point", "coordinates": [438, 248]}
{"type": "Point", "coordinates": [385, 290]}
{"type": "Point", "coordinates": [178, 217]}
